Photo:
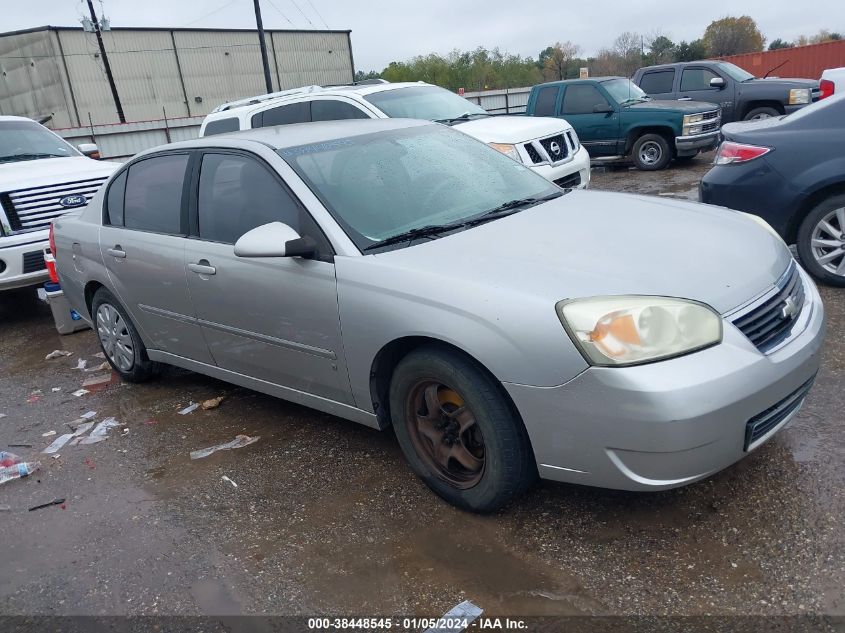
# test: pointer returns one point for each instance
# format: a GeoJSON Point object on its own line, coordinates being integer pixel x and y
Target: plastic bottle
{"type": "Point", "coordinates": [16, 469]}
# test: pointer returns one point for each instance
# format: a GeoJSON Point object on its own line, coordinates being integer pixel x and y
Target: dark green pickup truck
{"type": "Point", "coordinates": [614, 118]}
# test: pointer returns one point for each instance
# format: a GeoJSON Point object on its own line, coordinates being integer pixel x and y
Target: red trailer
{"type": "Point", "coordinates": [801, 61]}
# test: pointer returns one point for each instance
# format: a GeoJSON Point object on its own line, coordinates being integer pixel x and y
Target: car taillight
{"type": "Point", "coordinates": [52, 240]}
{"type": "Point", "coordinates": [730, 152]}
{"type": "Point", "coordinates": [826, 88]}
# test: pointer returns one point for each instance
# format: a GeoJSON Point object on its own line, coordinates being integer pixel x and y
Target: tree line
{"type": "Point", "coordinates": [484, 69]}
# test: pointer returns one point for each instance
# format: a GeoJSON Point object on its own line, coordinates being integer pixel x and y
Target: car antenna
{"type": "Point", "coordinates": [775, 68]}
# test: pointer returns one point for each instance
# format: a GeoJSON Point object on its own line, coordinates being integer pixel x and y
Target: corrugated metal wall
{"type": "Point", "coordinates": [801, 61]}
{"type": "Point", "coordinates": [188, 72]}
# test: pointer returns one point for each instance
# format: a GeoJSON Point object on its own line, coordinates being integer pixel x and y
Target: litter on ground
{"type": "Point", "coordinates": [81, 363]}
{"type": "Point", "coordinates": [99, 355]}
{"type": "Point", "coordinates": [58, 443]}
{"type": "Point", "coordinates": [79, 392]}
{"type": "Point", "coordinates": [100, 431]}
{"type": "Point", "coordinates": [193, 406]}
{"type": "Point", "coordinates": [213, 403]}
{"type": "Point", "coordinates": [229, 481]}
{"type": "Point", "coordinates": [59, 353]}
{"type": "Point", "coordinates": [96, 381]}
{"type": "Point", "coordinates": [13, 467]}
{"type": "Point", "coordinates": [239, 442]}
{"type": "Point", "coordinates": [48, 434]}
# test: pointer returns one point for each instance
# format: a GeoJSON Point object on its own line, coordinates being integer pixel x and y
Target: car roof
{"type": "Point", "coordinates": [679, 64]}
{"type": "Point", "coordinates": [296, 134]}
{"type": "Point", "coordinates": [572, 81]}
{"type": "Point", "coordinates": [9, 117]}
{"type": "Point", "coordinates": [258, 102]}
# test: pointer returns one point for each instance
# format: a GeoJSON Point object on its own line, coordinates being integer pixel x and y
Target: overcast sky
{"type": "Point", "coordinates": [395, 30]}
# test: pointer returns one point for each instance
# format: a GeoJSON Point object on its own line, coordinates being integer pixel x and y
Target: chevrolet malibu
{"type": "Point", "coordinates": [401, 274]}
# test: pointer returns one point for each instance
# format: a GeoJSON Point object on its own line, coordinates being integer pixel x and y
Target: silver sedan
{"type": "Point", "coordinates": [401, 274]}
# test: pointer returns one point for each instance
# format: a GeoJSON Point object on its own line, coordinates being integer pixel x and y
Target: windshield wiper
{"type": "Point", "coordinates": [412, 234]}
{"type": "Point", "coordinates": [12, 157]}
{"type": "Point", "coordinates": [511, 207]}
{"type": "Point", "coordinates": [464, 117]}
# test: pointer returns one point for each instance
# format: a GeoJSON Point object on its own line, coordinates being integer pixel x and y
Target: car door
{"type": "Point", "coordinates": [273, 318]}
{"type": "Point", "coordinates": [597, 131]}
{"type": "Point", "coordinates": [658, 84]}
{"type": "Point", "coordinates": [695, 86]}
{"type": "Point", "coordinates": [142, 243]}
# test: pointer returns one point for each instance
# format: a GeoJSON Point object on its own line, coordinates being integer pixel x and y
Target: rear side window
{"type": "Point", "coordinates": [221, 126]}
{"type": "Point", "coordinates": [114, 200]}
{"type": "Point", "coordinates": [153, 200]}
{"type": "Point", "coordinates": [696, 79]}
{"type": "Point", "coordinates": [323, 110]}
{"type": "Point", "coordinates": [283, 115]}
{"type": "Point", "coordinates": [658, 82]}
{"type": "Point", "coordinates": [546, 100]}
{"type": "Point", "coordinates": [582, 99]}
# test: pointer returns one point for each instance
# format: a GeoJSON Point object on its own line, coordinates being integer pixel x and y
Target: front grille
{"type": "Point", "coordinates": [710, 115]}
{"type": "Point", "coordinates": [758, 426]}
{"type": "Point", "coordinates": [555, 142]}
{"type": "Point", "coordinates": [769, 323]}
{"type": "Point", "coordinates": [572, 143]}
{"type": "Point", "coordinates": [35, 207]}
{"type": "Point", "coordinates": [569, 182]}
{"type": "Point", "coordinates": [33, 262]}
{"type": "Point", "coordinates": [710, 127]}
{"type": "Point", "coordinates": [533, 154]}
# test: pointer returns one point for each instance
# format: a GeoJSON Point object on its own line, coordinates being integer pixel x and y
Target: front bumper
{"type": "Point", "coordinates": [691, 145]}
{"type": "Point", "coordinates": [666, 424]}
{"type": "Point", "coordinates": [561, 173]}
{"type": "Point", "coordinates": [21, 260]}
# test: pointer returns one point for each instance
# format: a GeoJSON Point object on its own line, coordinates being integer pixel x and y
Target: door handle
{"type": "Point", "coordinates": [685, 99]}
{"type": "Point", "coordinates": [117, 251]}
{"type": "Point", "coordinates": [202, 267]}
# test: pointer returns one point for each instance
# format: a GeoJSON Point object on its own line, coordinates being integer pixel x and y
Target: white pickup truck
{"type": "Point", "coordinates": [41, 177]}
{"type": "Point", "coordinates": [549, 146]}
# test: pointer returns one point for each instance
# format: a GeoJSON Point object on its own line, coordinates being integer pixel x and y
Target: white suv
{"type": "Point", "coordinates": [41, 177]}
{"type": "Point", "coordinates": [548, 146]}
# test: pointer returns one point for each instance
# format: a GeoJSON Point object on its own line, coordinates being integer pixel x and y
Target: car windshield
{"type": "Point", "coordinates": [384, 184]}
{"type": "Point", "coordinates": [623, 90]}
{"type": "Point", "coordinates": [424, 102]}
{"type": "Point", "coordinates": [736, 73]}
{"type": "Point", "coordinates": [27, 140]}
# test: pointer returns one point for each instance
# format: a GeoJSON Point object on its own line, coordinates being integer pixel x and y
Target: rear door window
{"type": "Point", "coordinates": [582, 99]}
{"type": "Point", "coordinates": [114, 200]}
{"type": "Point", "coordinates": [221, 126]}
{"type": "Point", "coordinates": [658, 82]}
{"type": "Point", "coordinates": [546, 101]}
{"type": "Point", "coordinates": [333, 110]}
{"type": "Point", "coordinates": [283, 115]}
{"type": "Point", "coordinates": [153, 199]}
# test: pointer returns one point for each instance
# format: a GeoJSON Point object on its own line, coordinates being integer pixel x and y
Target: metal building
{"type": "Point", "coordinates": [58, 72]}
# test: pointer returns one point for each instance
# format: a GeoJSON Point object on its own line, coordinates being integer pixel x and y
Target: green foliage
{"type": "Point", "coordinates": [690, 52]}
{"type": "Point", "coordinates": [732, 36]}
{"type": "Point", "coordinates": [360, 75]}
{"type": "Point", "coordinates": [778, 44]}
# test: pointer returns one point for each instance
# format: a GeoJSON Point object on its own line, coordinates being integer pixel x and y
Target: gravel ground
{"type": "Point", "coordinates": [326, 517]}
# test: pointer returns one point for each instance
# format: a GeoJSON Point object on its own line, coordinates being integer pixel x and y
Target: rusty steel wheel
{"type": "Point", "coordinates": [444, 433]}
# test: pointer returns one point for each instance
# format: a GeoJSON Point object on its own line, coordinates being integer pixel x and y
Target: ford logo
{"type": "Point", "coordinates": [69, 202]}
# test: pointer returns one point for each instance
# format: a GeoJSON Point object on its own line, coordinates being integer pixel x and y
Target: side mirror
{"type": "Point", "coordinates": [717, 82]}
{"type": "Point", "coordinates": [603, 108]}
{"type": "Point", "coordinates": [274, 240]}
{"type": "Point", "coordinates": [90, 150]}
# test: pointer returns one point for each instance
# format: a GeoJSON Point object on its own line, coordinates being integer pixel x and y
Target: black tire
{"type": "Point", "coordinates": [685, 160]}
{"type": "Point", "coordinates": [507, 461]}
{"type": "Point", "coordinates": [651, 152]}
{"type": "Point", "coordinates": [141, 367]}
{"type": "Point", "coordinates": [809, 254]}
{"type": "Point", "coordinates": [763, 112]}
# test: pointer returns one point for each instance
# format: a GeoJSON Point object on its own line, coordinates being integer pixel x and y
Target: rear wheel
{"type": "Point", "coordinates": [458, 431]}
{"type": "Point", "coordinates": [764, 112]}
{"type": "Point", "coordinates": [651, 152]}
{"type": "Point", "coordinates": [119, 339]}
{"type": "Point", "coordinates": [821, 241]}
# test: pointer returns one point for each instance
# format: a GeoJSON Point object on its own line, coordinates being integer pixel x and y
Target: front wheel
{"type": "Point", "coordinates": [119, 339]}
{"type": "Point", "coordinates": [757, 114]}
{"type": "Point", "coordinates": [651, 152]}
{"type": "Point", "coordinates": [458, 431]}
{"type": "Point", "coordinates": [821, 241]}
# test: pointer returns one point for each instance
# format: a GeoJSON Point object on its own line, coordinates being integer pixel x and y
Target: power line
{"type": "Point", "coordinates": [136, 50]}
{"type": "Point", "coordinates": [326, 24]}
{"type": "Point", "coordinates": [303, 14]}
{"type": "Point", "coordinates": [210, 13]}
{"type": "Point", "coordinates": [272, 4]}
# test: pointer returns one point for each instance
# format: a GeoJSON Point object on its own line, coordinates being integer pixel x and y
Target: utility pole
{"type": "Point", "coordinates": [262, 44]}
{"type": "Point", "coordinates": [106, 65]}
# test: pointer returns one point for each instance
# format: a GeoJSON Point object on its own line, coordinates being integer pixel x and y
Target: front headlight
{"type": "Point", "coordinates": [798, 96]}
{"type": "Point", "coordinates": [507, 150]}
{"type": "Point", "coordinates": [626, 330]}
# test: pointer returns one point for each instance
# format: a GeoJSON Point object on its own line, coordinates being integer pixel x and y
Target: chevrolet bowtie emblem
{"type": "Point", "coordinates": [790, 308]}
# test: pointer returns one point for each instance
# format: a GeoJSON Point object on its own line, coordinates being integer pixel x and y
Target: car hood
{"type": "Point", "coordinates": [590, 243]}
{"type": "Point", "coordinates": [512, 129]}
{"type": "Point", "coordinates": [686, 107]}
{"type": "Point", "coordinates": [784, 82]}
{"type": "Point", "coordinates": [46, 171]}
